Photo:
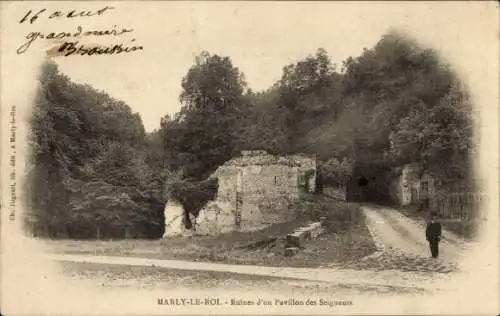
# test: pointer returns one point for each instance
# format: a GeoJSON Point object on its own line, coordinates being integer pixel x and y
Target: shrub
{"type": "Point", "coordinates": [343, 215]}
{"type": "Point", "coordinates": [339, 215]}
{"type": "Point", "coordinates": [464, 228]}
{"type": "Point", "coordinates": [193, 195]}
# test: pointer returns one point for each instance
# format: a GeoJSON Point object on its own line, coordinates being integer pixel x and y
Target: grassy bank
{"type": "Point", "coordinates": [346, 239]}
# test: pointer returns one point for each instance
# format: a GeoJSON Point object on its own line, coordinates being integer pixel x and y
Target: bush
{"type": "Point", "coordinates": [465, 229]}
{"type": "Point", "coordinates": [193, 195]}
{"type": "Point", "coordinates": [343, 216]}
{"type": "Point", "coordinates": [334, 173]}
{"type": "Point", "coordinates": [339, 215]}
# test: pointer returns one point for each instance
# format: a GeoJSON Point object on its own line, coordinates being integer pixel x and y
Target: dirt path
{"type": "Point", "coordinates": [339, 276]}
{"type": "Point", "coordinates": [397, 234]}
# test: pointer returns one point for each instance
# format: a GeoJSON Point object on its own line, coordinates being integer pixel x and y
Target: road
{"type": "Point", "coordinates": [339, 276]}
{"type": "Point", "coordinates": [400, 237]}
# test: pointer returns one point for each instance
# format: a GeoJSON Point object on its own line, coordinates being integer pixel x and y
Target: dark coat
{"type": "Point", "coordinates": [433, 231]}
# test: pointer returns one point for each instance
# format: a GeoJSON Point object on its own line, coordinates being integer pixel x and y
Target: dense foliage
{"type": "Point", "coordinates": [193, 195]}
{"type": "Point", "coordinates": [88, 175]}
{"type": "Point", "coordinates": [95, 168]}
{"type": "Point", "coordinates": [204, 134]}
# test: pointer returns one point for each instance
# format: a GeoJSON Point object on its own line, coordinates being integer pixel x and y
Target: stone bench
{"type": "Point", "coordinates": [291, 251]}
{"type": "Point", "coordinates": [300, 235]}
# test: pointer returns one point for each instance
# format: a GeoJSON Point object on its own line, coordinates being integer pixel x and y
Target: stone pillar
{"type": "Point", "coordinates": [312, 183]}
{"type": "Point", "coordinates": [174, 225]}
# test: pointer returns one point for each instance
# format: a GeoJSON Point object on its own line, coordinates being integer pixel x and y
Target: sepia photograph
{"type": "Point", "coordinates": [164, 157]}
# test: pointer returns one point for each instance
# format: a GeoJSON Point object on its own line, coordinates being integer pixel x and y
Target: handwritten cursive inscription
{"type": "Point", "coordinates": [75, 48]}
{"type": "Point", "coordinates": [79, 32]}
{"type": "Point", "coordinates": [72, 39]}
{"type": "Point", "coordinates": [32, 17]}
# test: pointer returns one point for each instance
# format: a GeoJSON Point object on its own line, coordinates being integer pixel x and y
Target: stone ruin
{"type": "Point", "coordinates": [174, 225]}
{"type": "Point", "coordinates": [254, 191]}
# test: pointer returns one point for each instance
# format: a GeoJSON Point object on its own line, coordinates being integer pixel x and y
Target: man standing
{"type": "Point", "coordinates": [433, 234]}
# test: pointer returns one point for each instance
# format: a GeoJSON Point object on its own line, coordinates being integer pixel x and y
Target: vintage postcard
{"type": "Point", "coordinates": [162, 157]}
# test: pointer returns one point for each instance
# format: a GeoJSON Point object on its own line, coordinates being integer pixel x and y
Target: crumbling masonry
{"type": "Point", "coordinates": [254, 191]}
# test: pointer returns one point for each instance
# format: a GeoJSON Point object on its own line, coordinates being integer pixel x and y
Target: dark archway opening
{"type": "Point", "coordinates": [370, 184]}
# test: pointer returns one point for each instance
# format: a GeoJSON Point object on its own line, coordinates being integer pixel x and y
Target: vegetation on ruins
{"type": "Point", "coordinates": [95, 172]}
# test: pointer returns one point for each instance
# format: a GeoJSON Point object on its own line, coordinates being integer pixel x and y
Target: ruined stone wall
{"type": "Point", "coordinates": [255, 189]}
{"type": "Point", "coordinates": [228, 180]}
{"type": "Point", "coordinates": [215, 218]}
{"type": "Point", "coordinates": [271, 181]}
{"type": "Point", "coordinates": [306, 170]}
{"type": "Point", "coordinates": [257, 174]}
{"type": "Point", "coordinates": [174, 225]}
{"type": "Point", "coordinates": [404, 183]}
{"type": "Point", "coordinates": [411, 187]}
{"type": "Point", "coordinates": [269, 187]}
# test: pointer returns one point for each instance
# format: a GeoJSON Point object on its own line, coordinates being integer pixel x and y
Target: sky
{"type": "Point", "coordinates": [260, 38]}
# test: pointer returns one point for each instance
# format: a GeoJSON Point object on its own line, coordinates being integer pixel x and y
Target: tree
{"type": "Point", "coordinates": [205, 132]}
{"type": "Point", "coordinates": [80, 135]}
{"type": "Point", "coordinates": [308, 90]}
{"type": "Point", "coordinates": [439, 138]}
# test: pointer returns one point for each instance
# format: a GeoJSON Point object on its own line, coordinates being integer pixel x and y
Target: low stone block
{"type": "Point", "coordinates": [304, 231]}
{"type": "Point", "coordinates": [315, 225]}
{"type": "Point", "coordinates": [291, 251]}
{"type": "Point", "coordinates": [317, 232]}
{"type": "Point", "coordinates": [316, 229]}
{"type": "Point", "coordinates": [295, 239]}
